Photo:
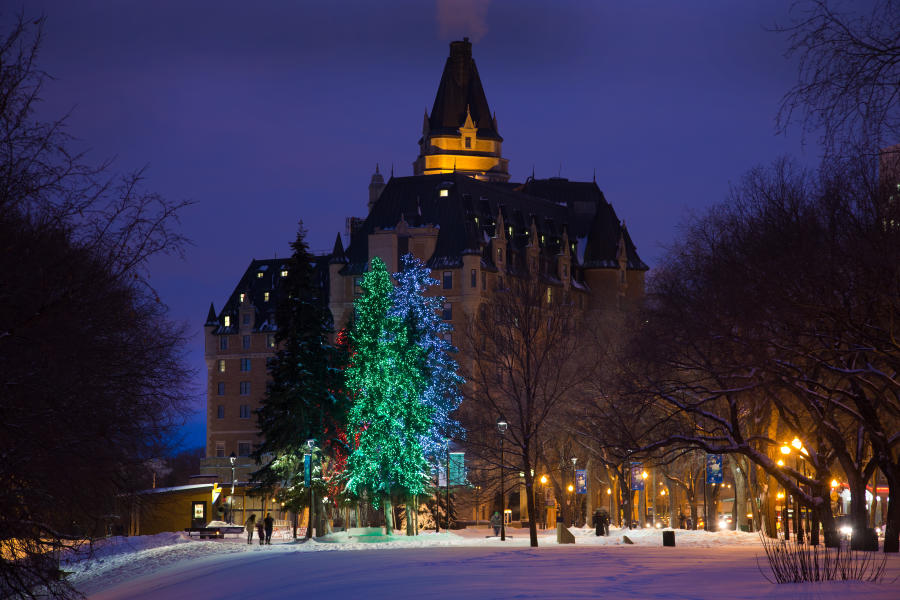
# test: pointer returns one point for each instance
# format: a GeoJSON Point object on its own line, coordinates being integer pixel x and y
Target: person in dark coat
{"type": "Point", "coordinates": [598, 523]}
{"type": "Point", "coordinates": [250, 525]}
{"type": "Point", "coordinates": [605, 516]}
{"type": "Point", "coordinates": [261, 531]}
{"type": "Point", "coordinates": [495, 522]}
{"type": "Point", "coordinates": [270, 523]}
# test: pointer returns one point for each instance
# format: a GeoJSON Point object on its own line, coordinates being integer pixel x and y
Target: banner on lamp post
{"type": "Point", "coordinates": [637, 480]}
{"type": "Point", "coordinates": [307, 469]}
{"type": "Point", "coordinates": [580, 482]}
{"type": "Point", "coordinates": [713, 468]}
{"type": "Point", "coordinates": [457, 468]}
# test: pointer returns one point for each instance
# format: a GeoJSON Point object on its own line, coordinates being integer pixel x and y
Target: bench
{"type": "Point", "coordinates": [212, 532]}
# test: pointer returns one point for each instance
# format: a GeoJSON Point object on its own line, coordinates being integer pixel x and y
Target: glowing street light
{"type": "Point", "coordinates": [502, 425]}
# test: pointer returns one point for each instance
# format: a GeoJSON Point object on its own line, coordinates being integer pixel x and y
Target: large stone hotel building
{"type": "Point", "coordinates": [460, 214]}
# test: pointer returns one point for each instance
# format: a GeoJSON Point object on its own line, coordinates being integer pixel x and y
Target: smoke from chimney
{"type": "Point", "coordinates": [459, 18]}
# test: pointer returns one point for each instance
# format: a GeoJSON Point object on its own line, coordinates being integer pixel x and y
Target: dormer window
{"type": "Point", "coordinates": [265, 296]}
{"type": "Point", "coordinates": [259, 274]}
{"type": "Point", "coordinates": [284, 272]}
{"type": "Point", "coordinates": [227, 321]}
{"type": "Point", "coordinates": [510, 230]}
{"type": "Point", "coordinates": [468, 142]}
{"type": "Point", "coordinates": [444, 193]}
{"type": "Point", "coordinates": [243, 297]}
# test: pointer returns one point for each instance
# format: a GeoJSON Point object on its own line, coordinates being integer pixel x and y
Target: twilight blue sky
{"type": "Point", "coordinates": [263, 113]}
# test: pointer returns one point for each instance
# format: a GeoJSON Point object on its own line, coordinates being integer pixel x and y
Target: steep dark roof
{"type": "Point", "coordinates": [466, 219]}
{"type": "Point", "coordinates": [260, 277]}
{"type": "Point", "coordinates": [211, 315]}
{"type": "Point", "coordinates": [461, 88]}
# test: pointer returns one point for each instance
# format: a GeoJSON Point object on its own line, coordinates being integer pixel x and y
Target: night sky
{"type": "Point", "coordinates": [263, 113]}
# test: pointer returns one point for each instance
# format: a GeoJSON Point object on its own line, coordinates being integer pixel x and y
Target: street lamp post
{"type": "Point", "coordinates": [310, 443]}
{"type": "Point", "coordinates": [574, 488]}
{"type": "Point", "coordinates": [542, 502]}
{"type": "Point", "coordinates": [230, 503]}
{"type": "Point", "coordinates": [501, 429]}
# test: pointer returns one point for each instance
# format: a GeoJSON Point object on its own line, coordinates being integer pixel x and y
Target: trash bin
{"type": "Point", "coordinates": [668, 538]}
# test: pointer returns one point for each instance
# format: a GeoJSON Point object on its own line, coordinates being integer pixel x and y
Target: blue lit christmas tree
{"type": "Point", "coordinates": [419, 315]}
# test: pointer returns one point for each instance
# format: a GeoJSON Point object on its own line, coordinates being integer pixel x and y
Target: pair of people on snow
{"type": "Point", "coordinates": [601, 522]}
{"type": "Point", "coordinates": [263, 528]}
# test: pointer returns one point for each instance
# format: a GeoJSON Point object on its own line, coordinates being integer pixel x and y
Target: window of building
{"type": "Point", "coordinates": [227, 321]}
{"type": "Point", "coordinates": [259, 274]}
{"type": "Point", "coordinates": [223, 342]}
{"type": "Point", "coordinates": [448, 280]}
{"type": "Point", "coordinates": [473, 278]}
{"type": "Point", "coordinates": [549, 295]}
{"type": "Point", "coordinates": [565, 271]}
{"type": "Point", "coordinates": [270, 341]}
{"type": "Point", "coordinates": [500, 254]}
{"type": "Point", "coordinates": [510, 231]}
{"type": "Point", "coordinates": [220, 411]}
{"type": "Point", "coordinates": [220, 449]}
{"type": "Point", "coordinates": [220, 388]}
{"type": "Point", "coordinates": [243, 448]}
{"type": "Point", "coordinates": [245, 342]}
{"type": "Point", "coordinates": [483, 280]}
{"type": "Point", "coordinates": [245, 364]}
{"type": "Point", "coordinates": [265, 296]}
{"type": "Point", "coordinates": [448, 312]}
{"type": "Point", "coordinates": [243, 297]}
{"type": "Point", "coordinates": [468, 142]}
{"type": "Point", "coordinates": [221, 365]}
{"type": "Point", "coordinates": [448, 337]}
{"type": "Point", "coordinates": [246, 319]}
{"type": "Point", "coordinates": [245, 388]}
{"type": "Point", "coordinates": [444, 193]}
{"type": "Point", "coordinates": [245, 411]}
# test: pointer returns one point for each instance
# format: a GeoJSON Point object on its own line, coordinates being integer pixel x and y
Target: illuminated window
{"type": "Point", "coordinates": [448, 280]}
{"type": "Point", "coordinates": [510, 230]}
{"type": "Point", "coordinates": [227, 321]}
{"type": "Point", "coordinates": [245, 411]}
{"type": "Point", "coordinates": [220, 411]}
{"type": "Point", "coordinates": [220, 389]}
{"type": "Point", "coordinates": [444, 193]}
{"type": "Point", "coordinates": [549, 295]}
{"type": "Point", "coordinates": [243, 297]}
{"type": "Point", "coordinates": [245, 364]}
{"type": "Point", "coordinates": [270, 341]}
{"type": "Point", "coordinates": [473, 278]}
{"type": "Point", "coordinates": [468, 142]}
{"type": "Point", "coordinates": [220, 449]}
{"type": "Point", "coordinates": [284, 272]}
{"type": "Point", "coordinates": [245, 342]}
{"type": "Point", "coordinates": [221, 366]}
{"type": "Point", "coordinates": [259, 274]}
{"type": "Point", "coordinates": [500, 254]}
{"type": "Point", "coordinates": [243, 448]}
{"type": "Point", "coordinates": [265, 296]}
{"type": "Point", "coordinates": [245, 388]}
{"type": "Point", "coordinates": [448, 312]}
{"type": "Point", "coordinates": [223, 342]}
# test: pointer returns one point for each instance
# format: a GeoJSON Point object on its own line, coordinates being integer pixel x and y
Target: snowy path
{"type": "Point", "coordinates": [472, 568]}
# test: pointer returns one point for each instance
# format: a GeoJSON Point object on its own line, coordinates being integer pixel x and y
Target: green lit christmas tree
{"type": "Point", "coordinates": [387, 377]}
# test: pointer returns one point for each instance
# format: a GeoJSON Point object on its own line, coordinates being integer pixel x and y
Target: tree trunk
{"type": "Point", "coordinates": [739, 506]}
{"type": "Point", "coordinates": [769, 500]}
{"type": "Point", "coordinates": [388, 515]}
{"type": "Point", "coordinates": [591, 488]}
{"type": "Point", "coordinates": [532, 514]}
{"type": "Point", "coordinates": [410, 515]}
{"type": "Point", "coordinates": [892, 521]}
{"type": "Point", "coordinates": [673, 517]}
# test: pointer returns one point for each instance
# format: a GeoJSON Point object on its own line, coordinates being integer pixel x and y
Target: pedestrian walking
{"type": "Point", "coordinates": [270, 524]}
{"type": "Point", "coordinates": [250, 525]}
{"type": "Point", "coordinates": [261, 531]}
{"type": "Point", "coordinates": [495, 522]}
{"type": "Point", "coordinates": [605, 521]}
{"type": "Point", "coordinates": [598, 523]}
{"type": "Point", "coordinates": [681, 520]}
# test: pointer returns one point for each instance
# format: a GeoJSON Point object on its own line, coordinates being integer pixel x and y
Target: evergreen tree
{"type": "Point", "coordinates": [387, 378]}
{"type": "Point", "coordinates": [425, 328]}
{"type": "Point", "coordinates": [306, 396]}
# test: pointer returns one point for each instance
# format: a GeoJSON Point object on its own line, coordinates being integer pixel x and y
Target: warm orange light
{"type": "Point", "coordinates": [571, 487]}
{"type": "Point", "coordinates": [796, 443]}
{"type": "Point", "coordinates": [780, 463]}
{"type": "Point", "coordinates": [543, 479]}
{"type": "Point", "coordinates": [834, 483]}
{"type": "Point", "coordinates": [662, 493]}
{"type": "Point", "coordinates": [785, 449]}
{"type": "Point", "coordinates": [644, 475]}
{"type": "Point", "coordinates": [779, 495]}
{"type": "Point", "coordinates": [608, 491]}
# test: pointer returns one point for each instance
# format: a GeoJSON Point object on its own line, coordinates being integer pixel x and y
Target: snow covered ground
{"type": "Point", "coordinates": [464, 564]}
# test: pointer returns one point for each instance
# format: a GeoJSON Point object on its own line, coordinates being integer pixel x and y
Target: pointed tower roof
{"type": "Point", "coordinates": [211, 316]}
{"type": "Point", "coordinates": [338, 256]}
{"type": "Point", "coordinates": [461, 90]}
